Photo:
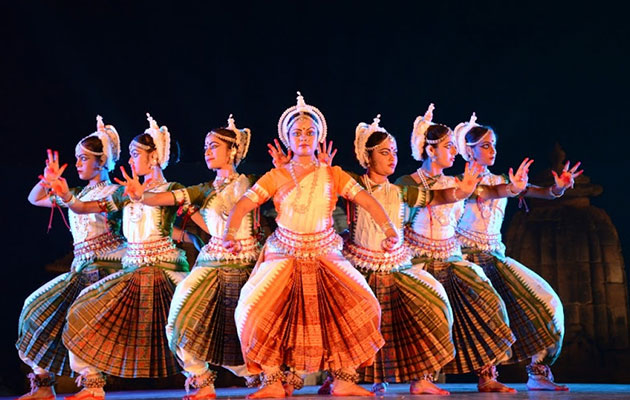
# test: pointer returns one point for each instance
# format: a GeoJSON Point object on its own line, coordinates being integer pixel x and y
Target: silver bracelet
{"type": "Point", "coordinates": [510, 192]}
{"type": "Point", "coordinates": [70, 202]}
{"type": "Point", "coordinates": [553, 194]}
{"type": "Point", "coordinates": [140, 200]}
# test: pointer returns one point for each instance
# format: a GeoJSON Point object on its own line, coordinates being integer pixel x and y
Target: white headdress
{"type": "Point", "coordinates": [242, 138]}
{"type": "Point", "coordinates": [162, 140]}
{"type": "Point", "coordinates": [461, 130]}
{"type": "Point", "coordinates": [419, 132]}
{"type": "Point", "coordinates": [361, 135]}
{"type": "Point", "coordinates": [301, 108]}
{"type": "Point", "coordinates": [110, 141]}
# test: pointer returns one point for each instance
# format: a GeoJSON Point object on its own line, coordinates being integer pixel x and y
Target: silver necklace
{"type": "Point", "coordinates": [302, 208]}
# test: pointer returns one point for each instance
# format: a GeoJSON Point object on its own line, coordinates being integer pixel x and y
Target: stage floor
{"type": "Point", "coordinates": [458, 391]}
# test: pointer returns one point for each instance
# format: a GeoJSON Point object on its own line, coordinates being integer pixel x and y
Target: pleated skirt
{"type": "Point", "coordinates": [310, 314]}
{"type": "Point", "coordinates": [416, 321]}
{"type": "Point", "coordinates": [534, 309]}
{"type": "Point", "coordinates": [481, 331]}
{"type": "Point", "coordinates": [43, 317]}
{"type": "Point", "coordinates": [201, 318]}
{"type": "Point", "coordinates": [118, 324]}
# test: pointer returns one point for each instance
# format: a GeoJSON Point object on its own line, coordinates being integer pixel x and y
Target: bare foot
{"type": "Point", "coordinates": [88, 394]}
{"type": "Point", "coordinates": [539, 382]}
{"type": "Point", "coordinates": [275, 390]}
{"type": "Point", "coordinates": [425, 386]}
{"type": "Point", "coordinates": [492, 385]}
{"type": "Point", "coordinates": [40, 393]}
{"type": "Point", "coordinates": [204, 393]}
{"type": "Point", "coordinates": [344, 388]}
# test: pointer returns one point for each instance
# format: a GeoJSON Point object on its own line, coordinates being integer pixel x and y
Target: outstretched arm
{"type": "Point", "coordinates": [518, 183]}
{"type": "Point", "coordinates": [564, 181]}
{"type": "Point", "coordinates": [466, 186]}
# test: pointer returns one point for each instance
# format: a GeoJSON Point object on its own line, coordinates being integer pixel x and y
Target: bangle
{"type": "Point", "coordinates": [510, 192]}
{"type": "Point", "coordinates": [140, 200]}
{"type": "Point", "coordinates": [554, 194]}
{"type": "Point", "coordinates": [70, 202]}
{"type": "Point", "coordinates": [455, 197]}
{"type": "Point", "coordinates": [387, 225]}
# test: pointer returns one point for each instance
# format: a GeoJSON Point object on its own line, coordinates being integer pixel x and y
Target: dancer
{"type": "Point", "coordinates": [116, 326]}
{"type": "Point", "coordinates": [481, 333]}
{"type": "Point", "coordinates": [201, 327]}
{"type": "Point", "coordinates": [305, 307]}
{"type": "Point", "coordinates": [534, 309]}
{"type": "Point", "coordinates": [416, 317]}
{"type": "Point", "coordinates": [98, 249]}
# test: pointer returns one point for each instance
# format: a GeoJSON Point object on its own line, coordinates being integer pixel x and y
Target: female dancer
{"type": "Point", "coordinates": [98, 249]}
{"type": "Point", "coordinates": [535, 311]}
{"type": "Point", "coordinates": [304, 306]}
{"type": "Point", "coordinates": [116, 326]}
{"type": "Point", "coordinates": [201, 327]}
{"type": "Point", "coordinates": [416, 317]}
{"type": "Point", "coordinates": [481, 334]}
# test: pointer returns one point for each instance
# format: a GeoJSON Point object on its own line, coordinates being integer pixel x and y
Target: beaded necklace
{"type": "Point", "coordinates": [444, 221]}
{"type": "Point", "coordinates": [303, 208]}
{"type": "Point", "coordinates": [386, 186]}
{"type": "Point", "coordinates": [221, 182]}
{"type": "Point", "coordinates": [136, 209]}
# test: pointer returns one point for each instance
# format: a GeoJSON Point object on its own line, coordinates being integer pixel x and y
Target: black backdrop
{"type": "Point", "coordinates": [538, 73]}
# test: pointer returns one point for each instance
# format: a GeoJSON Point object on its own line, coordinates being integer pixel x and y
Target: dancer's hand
{"type": "Point", "coordinates": [232, 245]}
{"type": "Point", "coordinates": [52, 171]}
{"type": "Point", "coordinates": [566, 179]}
{"type": "Point", "coordinates": [278, 158]}
{"type": "Point", "coordinates": [325, 154]}
{"type": "Point", "coordinates": [391, 240]}
{"type": "Point", "coordinates": [133, 188]}
{"type": "Point", "coordinates": [60, 188]}
{"type": "Point", "coordinates": [521, 178]}
{"type": "Point", "coordinates": [470, 179]}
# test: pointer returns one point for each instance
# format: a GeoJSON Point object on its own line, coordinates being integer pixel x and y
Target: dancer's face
{"type": "Point", "coordinates": [485, 152]}
{"type": "Point", "coordinates": [303, 137]}
{"type": "Point", "coordinates": [384, 158]}
{"type": "Point", "coordinates": [88, 165]}
{"type": "Point", "coordinates": [217, 153]}
{"type": "Point", "coordinates": [142, 160]}
{"type": "Point", "coordinates": [444, 152]}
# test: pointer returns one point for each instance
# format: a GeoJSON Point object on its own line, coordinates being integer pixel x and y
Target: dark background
{"type": "Point", "coordinates": [539, 73]}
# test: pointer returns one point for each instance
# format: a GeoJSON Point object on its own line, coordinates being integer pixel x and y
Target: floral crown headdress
{"type": "Point", "coordinates": [291, 114]}
{"type": "Point", "coordinates": [110, 141]}
{"type": "Point", "coordinates": [361, 135]}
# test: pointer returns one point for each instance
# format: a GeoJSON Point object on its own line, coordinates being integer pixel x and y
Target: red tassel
{"type": "Point", "coordinates": [52, 211]}
{"type": "Point", "coordinates": [522, 203]}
